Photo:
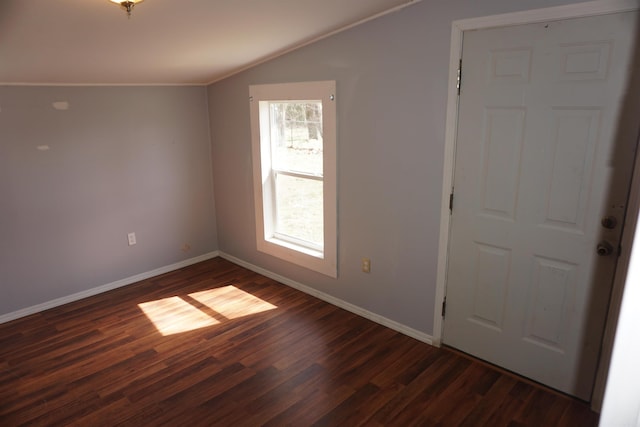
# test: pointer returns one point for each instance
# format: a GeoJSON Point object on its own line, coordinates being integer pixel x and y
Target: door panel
{"type": "Point", "coordinates": [542, 154]}
{"type": "Point", "coordinates": [571, 159]}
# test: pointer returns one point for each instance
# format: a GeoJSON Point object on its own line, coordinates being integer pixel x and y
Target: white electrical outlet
{"type": "Point", "coordinates": [366, 265]}
{"type": "Point", "coordinates": [132, 238]}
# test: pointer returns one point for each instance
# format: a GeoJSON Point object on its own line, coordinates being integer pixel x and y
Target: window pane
{"type": "Point", "coordinates": [296, 136]}
{"type": "Point", "coordinates": [299, 208]}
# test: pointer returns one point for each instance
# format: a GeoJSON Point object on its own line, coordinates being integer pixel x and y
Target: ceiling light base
{"type": "Point", "coordinates": [127, 5]}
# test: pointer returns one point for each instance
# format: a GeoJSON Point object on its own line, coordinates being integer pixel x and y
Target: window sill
{"type": "Point", "coordinates": [302, 256]}
{"type": "Point", "coordinates": [298, 248]}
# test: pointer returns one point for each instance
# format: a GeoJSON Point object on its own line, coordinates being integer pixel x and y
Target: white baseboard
{"type": "Point", "coordinates": [403, 329]}
{"type": "Point", "coordinates": [104, 288]}
{"type": "Point", "coordinates": [420, 336]}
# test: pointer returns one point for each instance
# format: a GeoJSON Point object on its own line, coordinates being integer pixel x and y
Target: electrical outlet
{"type": "Point", "coordinates": [132, 238]}
{"type": "Point", "coordinates": [366, 265]}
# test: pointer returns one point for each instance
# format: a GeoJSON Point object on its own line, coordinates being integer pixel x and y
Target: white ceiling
{"type": "Point", "coordinates": [164, 41]}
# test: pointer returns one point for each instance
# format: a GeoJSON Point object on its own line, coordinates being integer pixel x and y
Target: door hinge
{"type": "Point", "coordinates": [459, 80]}
{"type": "Point", "coordinates": [444, 306]}
{"type": "Point", "coordinates": [451, 203]}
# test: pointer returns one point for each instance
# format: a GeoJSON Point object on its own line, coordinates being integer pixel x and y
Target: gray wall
{"type": "Point", "coordinates": [391, 78]}
{"type": "Point", "coordinates": [121, 159]}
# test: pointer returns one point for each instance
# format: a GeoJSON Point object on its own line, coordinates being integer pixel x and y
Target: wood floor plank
{"type": "Point", "coordinates": [106, 361]}
{"type": "Point", "coordinates": [402, 402]}
{"type": "Point", "coordinates": [483, 410]}
{"type": "Point", "coordinates": [457, 400]}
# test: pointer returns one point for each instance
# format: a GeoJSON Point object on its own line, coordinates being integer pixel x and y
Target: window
{"type": "Point", "coordinates": [293, 132]}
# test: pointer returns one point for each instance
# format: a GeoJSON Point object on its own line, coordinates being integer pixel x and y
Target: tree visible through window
{"type": "Point", "coordinates": [296, 151]}
{"type": "Point", "coordinates": [294, 148]}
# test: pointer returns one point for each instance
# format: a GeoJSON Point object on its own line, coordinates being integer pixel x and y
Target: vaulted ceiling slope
{"type": "Point", "coordinates": [164, 41]}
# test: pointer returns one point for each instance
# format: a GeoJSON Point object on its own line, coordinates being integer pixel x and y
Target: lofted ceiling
{"type": "Point", "coordinates": [164, 41]}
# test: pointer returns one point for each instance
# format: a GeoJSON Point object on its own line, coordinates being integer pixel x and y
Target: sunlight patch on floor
{"type": "Point", "coordinates": [231, 302]}
{"type": "Point", "coordinates": [176, 315]}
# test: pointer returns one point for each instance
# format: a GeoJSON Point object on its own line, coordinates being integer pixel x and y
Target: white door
{"type": "Point", "coordinates": [543, 154]}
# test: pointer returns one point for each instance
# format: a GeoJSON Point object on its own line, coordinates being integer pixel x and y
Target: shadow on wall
{"type": "Point", "coordinates": [620, 398]}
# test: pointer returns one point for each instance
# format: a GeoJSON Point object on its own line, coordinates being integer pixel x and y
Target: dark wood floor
{"type": "Point", "coordinates": [274, 356]}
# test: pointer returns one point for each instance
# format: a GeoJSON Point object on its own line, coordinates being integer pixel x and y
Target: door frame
{"type": "Point", "coordinates": [577, 10]}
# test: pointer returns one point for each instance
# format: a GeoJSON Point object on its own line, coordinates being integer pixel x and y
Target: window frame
{"type": "Point", "coordinates": [322, 260]}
